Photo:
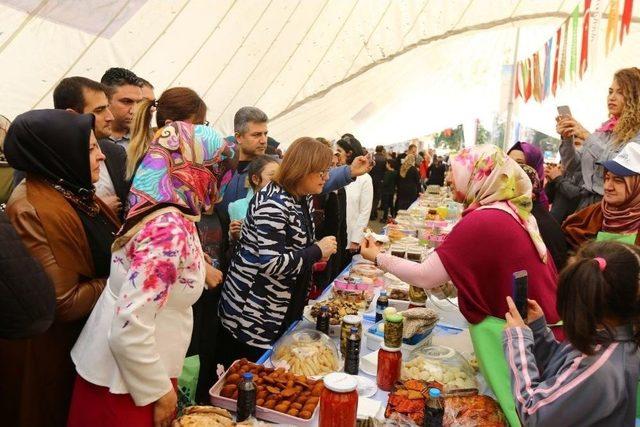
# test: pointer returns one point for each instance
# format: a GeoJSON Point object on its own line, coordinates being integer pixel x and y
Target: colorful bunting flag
{"type": "Point", "coordinates": [527, 86]}
{"type": "Point", "coordinates": [626, 18]}
{"type": "Point", "coordinates": [584, 50]}
{"type": "Point", "coordinates": [554, 83]}
{"type": "Point", "coordinates": [562, 72]}
{"type": "Point", "coordinates": [574, 43]}
{"type": "Point", "coordinates": [612, 26]}
{"type": "Point", "coordinates": [537, 79]}
{"type": "Point", "coordinates": [547, 68]}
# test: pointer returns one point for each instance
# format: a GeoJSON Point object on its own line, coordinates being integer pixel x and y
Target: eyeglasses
{"type": "Point", "coordinates": [206, 123]}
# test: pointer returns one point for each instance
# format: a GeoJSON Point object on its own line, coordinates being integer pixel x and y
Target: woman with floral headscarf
{"type": "Point", "coordinates": [496, 237]}
{"type": "Point", "coordinates": [131, 350]}
{"type": "Point", "coordinates": [497, 195]}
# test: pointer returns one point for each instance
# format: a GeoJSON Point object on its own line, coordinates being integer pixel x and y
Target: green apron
{"type": "Point", "coordinates": [487, 344]}
{"type": "Point", "coordinates": [604, 236]}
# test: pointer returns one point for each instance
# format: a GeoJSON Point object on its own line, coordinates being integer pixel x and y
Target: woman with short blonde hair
{"type": "Point", "coordinates": [268, 281]}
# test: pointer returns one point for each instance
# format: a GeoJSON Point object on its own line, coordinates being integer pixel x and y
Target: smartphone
{"type": "Point", "coordinates": [564, 111]}
{"type": "Point", "coordinates": [520, 285]}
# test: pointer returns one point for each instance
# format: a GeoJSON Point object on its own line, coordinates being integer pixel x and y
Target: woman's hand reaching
{"type": "Point", "coordinates": [369, 250]}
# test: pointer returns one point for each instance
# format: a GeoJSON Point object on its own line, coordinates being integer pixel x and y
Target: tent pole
{"type": "Point", "coordinates": [507, 131]}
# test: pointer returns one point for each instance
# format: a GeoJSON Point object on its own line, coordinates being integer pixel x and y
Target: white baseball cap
{"type": "Point", "coordinates": [626, 162]}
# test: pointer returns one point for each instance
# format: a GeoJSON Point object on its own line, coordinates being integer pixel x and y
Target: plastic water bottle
{"type": "Point", "coordinates": [322, 322]}
{"type": "Point", "coordinates": [246, 407]}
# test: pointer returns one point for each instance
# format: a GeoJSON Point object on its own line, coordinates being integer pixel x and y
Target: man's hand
{"type": "Point", "coordinates": [552, 172]}
{"type": "Point", "coordinates": [360, 166]}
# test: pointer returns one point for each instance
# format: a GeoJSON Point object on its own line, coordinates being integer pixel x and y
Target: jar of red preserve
{"type": "Point", "coordinates": [339, 401]}
{"type": "Point", "coordinates": [389, 367]}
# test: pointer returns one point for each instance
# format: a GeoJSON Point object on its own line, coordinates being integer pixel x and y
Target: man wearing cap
{"type": "Point", "coordinates": [617, 216]}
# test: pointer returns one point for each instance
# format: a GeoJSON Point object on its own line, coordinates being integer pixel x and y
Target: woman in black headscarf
{"type": "Point", "coordinates": [550, 230]}
{"type": "Point", "coordinates": [69, 231]}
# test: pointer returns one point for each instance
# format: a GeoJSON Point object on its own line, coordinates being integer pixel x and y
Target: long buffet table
{"type": "Point", "coordinates": [451, 330]}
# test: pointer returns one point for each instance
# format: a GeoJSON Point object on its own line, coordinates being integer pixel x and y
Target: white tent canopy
{"type": "Point", "coordinates": [385, 70]}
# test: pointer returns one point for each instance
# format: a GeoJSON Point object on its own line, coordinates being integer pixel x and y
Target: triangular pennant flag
{"type": "Point", "coordinates": [612, 26]}
{"type": "Point", "coordinates": [554, 83]}
{"type": "Point", "coordinates": [537, 79]}
{"type": "Point", "coordinates": [574, 43]}
{"type": "Point", "coordinates": [626, 18]}
{"type": "Point", "coordinates": [547, 68]}
{"type": "Point", "coordinates": [562, 72]}
{"type": "Point", "coordinates": [527, 87]}
{"type": "Point", "coordinates": [584, 50]}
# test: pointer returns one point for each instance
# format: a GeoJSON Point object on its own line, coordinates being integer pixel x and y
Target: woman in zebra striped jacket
{"type": "Point", "coordinates": [268, 280]}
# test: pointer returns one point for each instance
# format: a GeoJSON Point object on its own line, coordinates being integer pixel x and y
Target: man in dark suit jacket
{"type": "Point", "coordinates": [86, 96]}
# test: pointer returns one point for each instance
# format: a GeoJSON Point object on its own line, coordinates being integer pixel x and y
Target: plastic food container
{"type": "Point", "coordinates": [441, 364]}
{"type": "Point", "coordinates": [375, 338]}
{"type": "Point", "coordinates": [368, 273]}
{"type": "Point", "coordinates": [306, 352]}
{"type": "Point", "coordinates": [398, 250]}
{"type": "Point", "coordinates": [262, 413]}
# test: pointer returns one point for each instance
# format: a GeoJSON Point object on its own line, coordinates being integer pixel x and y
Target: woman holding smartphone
{"type": "Point", "coordinates": [623, 126]}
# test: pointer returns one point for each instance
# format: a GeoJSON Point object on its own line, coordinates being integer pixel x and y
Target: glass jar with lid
{"type": "Point", "coordinates": [339, 401]}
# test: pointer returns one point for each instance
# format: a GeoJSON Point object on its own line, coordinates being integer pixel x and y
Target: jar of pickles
{"type": "Point", "coordinates": [393, 326]}
{"type": "Point", "coordinates": [417, 296]}
{"type": "Point", "coordinates": [349, 321]}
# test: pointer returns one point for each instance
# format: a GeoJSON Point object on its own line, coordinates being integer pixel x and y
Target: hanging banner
{"type": "Point", "coordinates": [547, 68]}
{"type": "Point", "coordinates": [626, 18]}
{"type": "Point", "coordinates": [554, 83]}
{"type": "Point", "coordinates": [584, 50]}
{"type": "Point", "coordinates": [537, 79]}
{"type": "Point", "coordinates": [612, 26]}
{"type": "Point", "coordinates": [562, 72]}
{"type": "Point", "coordinates": [526, 81]}
{"type": "Point", "coordinates": [574, 43]}
{"type": "Point", "coordinates": [594, 33]}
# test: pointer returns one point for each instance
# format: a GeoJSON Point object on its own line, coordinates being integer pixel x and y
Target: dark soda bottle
{"type": "Point", "coordinates": [352, 360]}
{"type": "Point", "coordinates": [381, 304]}
{"type": "Point", "coordinates": [246, 407]}
{"type": "Point", "coordinates": [434, 409]}
{"type": "Point", "coordinates": [322, 322]}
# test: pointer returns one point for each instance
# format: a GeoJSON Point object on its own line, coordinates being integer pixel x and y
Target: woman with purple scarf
{"type": "Point", "coordinates": [525, 153]}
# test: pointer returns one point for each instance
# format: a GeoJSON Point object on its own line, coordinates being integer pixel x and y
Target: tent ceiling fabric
{"type": "Point", "coordinates": [383, 69]}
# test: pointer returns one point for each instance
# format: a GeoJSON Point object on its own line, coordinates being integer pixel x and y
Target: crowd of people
{"type": "Point", "coordinates": [128, 245]}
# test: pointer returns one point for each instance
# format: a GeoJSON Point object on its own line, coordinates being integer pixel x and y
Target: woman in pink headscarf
{"type": "Point", "coordinates": [496, 237]}
{"type": "Point", "coordinates": [496, 193]}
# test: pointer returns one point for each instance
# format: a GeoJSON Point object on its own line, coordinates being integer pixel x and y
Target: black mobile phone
{"type": "Point", "coordinates": [520, 285]}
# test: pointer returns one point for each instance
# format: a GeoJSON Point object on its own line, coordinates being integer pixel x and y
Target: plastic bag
{"type": "Point", "coordinates": [188, 382]}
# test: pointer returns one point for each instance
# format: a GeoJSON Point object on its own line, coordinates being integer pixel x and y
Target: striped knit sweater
{"type": "Point", "coordinates": [269, 275]}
